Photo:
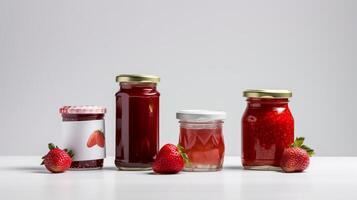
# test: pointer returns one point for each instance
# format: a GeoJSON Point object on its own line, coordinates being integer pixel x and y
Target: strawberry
{"type": "Point", "coordinates": [57, 160]}
{"type": "Point", "coordinates": [92, 140]}
{"type": "Point", "coordinates": [100, 138]}
{"type": "Point", "coordinates": [296, 158]}
{"type": "Point", "coordinates": [170, 160]}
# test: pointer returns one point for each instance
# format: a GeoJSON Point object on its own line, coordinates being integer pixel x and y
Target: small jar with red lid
{"type": "Point", "coordinates": [267, 128]}
{"type": "Point", "coordinates": [83, 131]}
{"type": "Point", "coordinates": [201, 137]}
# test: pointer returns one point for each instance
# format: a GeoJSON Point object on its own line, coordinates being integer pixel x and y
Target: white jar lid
{"type": "Point", "coordinates": [200, 115]}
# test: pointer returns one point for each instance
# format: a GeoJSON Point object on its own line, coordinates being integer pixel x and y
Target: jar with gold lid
{"type": "Point", "coordinates": [137, 121]}
{"type": "Point", "coordinates": [267, 128]}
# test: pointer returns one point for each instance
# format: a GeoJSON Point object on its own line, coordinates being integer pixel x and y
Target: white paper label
{"type": "Point", "coordinates": [85, 138]}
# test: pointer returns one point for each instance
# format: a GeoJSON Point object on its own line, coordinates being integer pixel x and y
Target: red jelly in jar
{"type": "Point", "coordinates": [137, 122]}
{"type": "Point", "coordinates": [267, 128]}
{"type": "Point", "coordinates": [83, 133]}
{"type": "Point", "coordinates": [201, 137]}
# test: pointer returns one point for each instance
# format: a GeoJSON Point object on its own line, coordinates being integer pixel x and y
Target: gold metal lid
{"type": "Point", "coordinates": [263, 93]}
{"type": "Point", "coordinates": [137, 78]}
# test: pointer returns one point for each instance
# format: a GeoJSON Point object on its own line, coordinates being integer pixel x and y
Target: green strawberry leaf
{"type": "Point", "coordinates": [51, 146]}
{"type": "Point", "coordinates": [180, 148]}
{"type": "Point", "coordinates": [70, 153]}
{"type": "Point", "coordinates": [298, 142]}
{"type": "Point", "coordinates": [43, 160]}
{"type": "Point", "coordinates": [183, 154]}
{"type": "Point", "coordinates": [308, 150]}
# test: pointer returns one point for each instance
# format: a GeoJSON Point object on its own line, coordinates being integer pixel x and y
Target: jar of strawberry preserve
{"type": "Point", "coordinates": [201, 138]}
{"type": "Point", "coordinates": [267, 128]}
{"type": "Point", "coordinates": [137, 122]}
{"type": "Point", "coordinates": [83, 133]}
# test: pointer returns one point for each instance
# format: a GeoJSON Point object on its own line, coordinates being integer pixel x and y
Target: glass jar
{"type": "Point", "coordinates": [267, 128]}
{"type": "Point", "coordinates": [201, 137]}
{"type": "Point", "coordinates": [83, 132]}
{"type": "Point", "coordinates": [137, 122]}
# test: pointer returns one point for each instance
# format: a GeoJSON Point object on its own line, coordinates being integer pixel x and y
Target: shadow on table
{"type": "Point", "coordinates": [36, 170]}
{"type": "Point", "coordinates": [156, 174]}
{"type": "Point", "coordinates": [148, 172]}
{"type": "Point", "coordinates": [233, 167]}
{"type": "Point", "coordinates": [111, 168]}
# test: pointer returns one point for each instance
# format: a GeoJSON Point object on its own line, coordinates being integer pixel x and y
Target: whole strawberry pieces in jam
{"type": "Point", "coordinates": [267, 129]}
{"type": "Point", "coordinates": [296, 158]}
{"type": "Point", "coordinates": [170, 160]}
{"type": "Point", "coordinates": [57, 160]}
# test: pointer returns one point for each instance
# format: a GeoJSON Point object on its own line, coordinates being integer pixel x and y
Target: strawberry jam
{"type": "Point", "coordinates": [79, 124]}
{"type": "Point", "coordinates": [267, 128]}
{"type": "Point", "coordinates": [137, 122]}
{"type": "Point", "coordinates": [202, 139]}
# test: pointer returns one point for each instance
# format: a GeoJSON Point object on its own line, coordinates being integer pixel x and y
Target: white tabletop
{"type": "Point", "coordinates": [326, 178]}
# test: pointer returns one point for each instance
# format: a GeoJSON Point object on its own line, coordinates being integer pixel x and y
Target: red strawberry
{"type": "Point", "coordinates": [100, 138]}
{"type": "Point", "coordinates": [92, 140]}
{"type": "Point", "coordinates": [170, 160]}
{"type": "Point", "coordinates": [296, 158]}
{"type": "Point", "coordinates": [57, 160]}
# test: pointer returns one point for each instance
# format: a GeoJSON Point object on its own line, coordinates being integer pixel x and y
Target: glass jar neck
{"type": "Point", "coordinates": [137, 86]}
{"type": "Point", "coordinates": [82, 117]}
{"type": "Point", "coordinates": [201, 124]}
{"type": "Point", "coordinates": [257, 102]}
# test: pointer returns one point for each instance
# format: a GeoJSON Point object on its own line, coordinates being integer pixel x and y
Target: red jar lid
{"type": "Point", "coordinates": [82, 110]}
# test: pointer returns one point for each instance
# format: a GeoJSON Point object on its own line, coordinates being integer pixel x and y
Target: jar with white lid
{"type": "Point", "coordinates": [201, 137]}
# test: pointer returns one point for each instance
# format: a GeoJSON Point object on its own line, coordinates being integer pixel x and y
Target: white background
{"type": "Point", "coordinates": [68, 52]}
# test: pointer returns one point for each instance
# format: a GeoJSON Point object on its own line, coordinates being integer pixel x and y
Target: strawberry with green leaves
{"type": "Point", "coordinates": [171, 159]}
{"type": "Point", "coordinates": [57, 160]}
{"type": "Point", "coordinates": [296, 158]}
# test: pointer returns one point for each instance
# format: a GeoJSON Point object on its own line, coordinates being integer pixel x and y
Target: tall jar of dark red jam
{"type": "Point", "coordinates": [83, 132]}
{"type": "Point", "coordinates": [137, 121]}
{"type": "Point", "coordinates": [267, 128]}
